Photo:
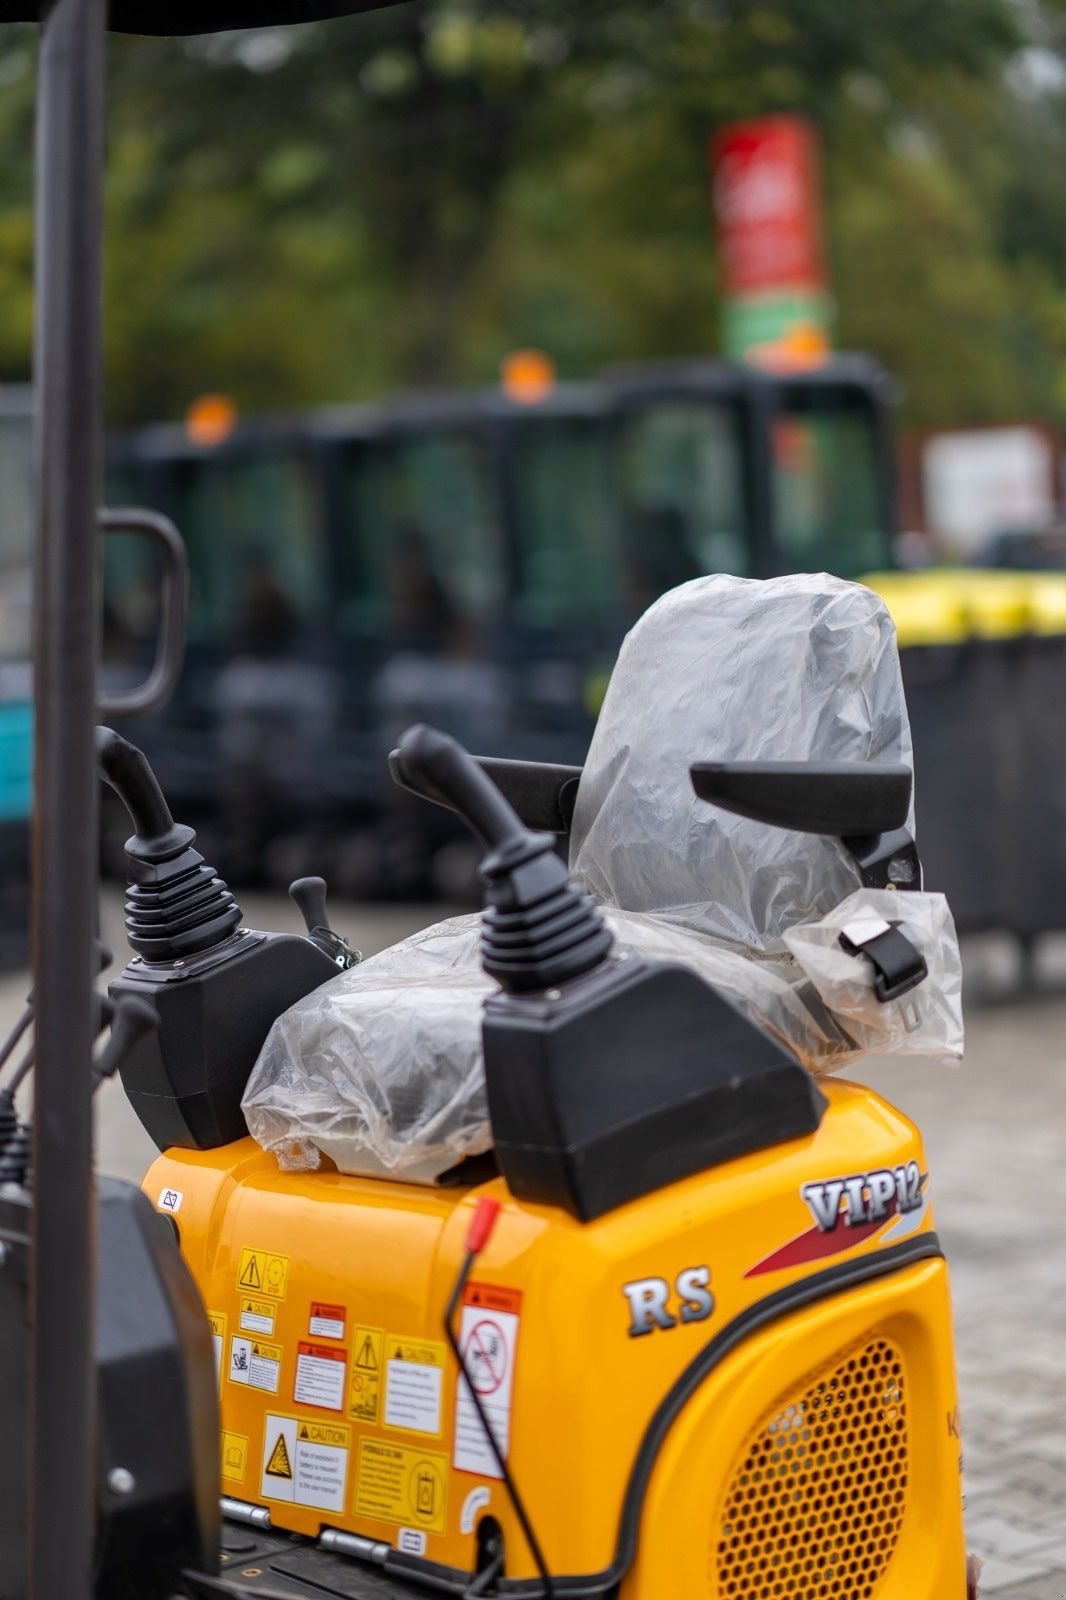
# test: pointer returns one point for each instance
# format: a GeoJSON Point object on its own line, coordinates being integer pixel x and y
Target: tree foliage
{"type": "Point", "coordinates": [301, 215]}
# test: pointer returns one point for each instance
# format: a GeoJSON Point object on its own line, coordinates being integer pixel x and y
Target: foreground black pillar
{"type": "Point", "coordinates": [70, 111]}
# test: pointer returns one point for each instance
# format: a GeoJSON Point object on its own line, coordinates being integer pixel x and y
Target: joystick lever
{"type": "Point", "coordinates": [309, 896]}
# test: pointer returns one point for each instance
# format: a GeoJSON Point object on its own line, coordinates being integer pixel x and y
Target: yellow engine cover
{"type": "Point", "coordinates": [739, 1387]}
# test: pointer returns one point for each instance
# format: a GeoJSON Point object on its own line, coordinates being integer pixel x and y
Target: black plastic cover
{"type": "Point", "coordinates": [158, 1415]}
{"type": "Point", "coordinates": [185, 1082]}
{"type": "Point", "coordinates": [629, 1079]}
{"type": "Point", "coordinates": [157, 1404]}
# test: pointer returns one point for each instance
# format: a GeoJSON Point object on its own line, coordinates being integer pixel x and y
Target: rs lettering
{"type": "Point", "coordinates": [650, 1301]}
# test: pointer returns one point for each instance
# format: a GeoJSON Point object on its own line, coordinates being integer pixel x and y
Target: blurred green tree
{"type": "Point", "coordinates": [303, 215]}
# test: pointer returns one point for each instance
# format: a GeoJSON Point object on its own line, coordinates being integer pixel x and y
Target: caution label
{"type": "Point", "coordinates": [305, 1463]}
{"type": "Point", "coordinates": [368, 1357]}
{"type": "Point", "coordinates": [257, 1316]}
{"type": "Point", "coordinates": [402, 1484]}
{"type": "Point", "coordinates": [254, 1363]}
{"type": "Point", "coordinates": [320, 1376]}
{"type": "Point", "coordinates": [263, 1273]}
{"type": "Point", "coordinates": [326, 1322]}
{"type": "Point", "coordinates": [414, 1381]}
{"type": "Point", "coordinates": [488, 1340]}
{"type": "Point", "coordinates": [234, 1456]}
{"type": "Point", "coordinates": [217, 1319]}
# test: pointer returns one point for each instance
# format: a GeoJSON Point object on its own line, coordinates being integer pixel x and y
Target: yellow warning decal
{"type": "Point", "coordinates": [364, 1391]}
{"type": "Point", "coordinates": [279, 1465]}
{"type": "Point", "coordinates": [328, 1433]}
{"type": "Point", "coordinates": [234, 1456]}
{"type": "Point", "coordinates": [305, 1463]}
{"type": "Point", "coordinates": [414, 1383]}
{"type": "Point", "coordinates": [402, 1485]}
{"type": "Point", "coordinates": [217, 1322]}
{"type": "Point", "coordinates": [264, 1272]}
{"type": "Point", "coordinates": [257, 1316]}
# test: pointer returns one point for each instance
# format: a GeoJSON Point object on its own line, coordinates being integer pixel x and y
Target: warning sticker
{"type": "Point", "coordinates": [493, 1297]}
{"type": "Point", "coordinates": [254, 1363]}
{"type": "Point", "coordinates": [234, 1456]}
{"type": "Point", "coordinates": [258, 1315]}
{"type": "Point", "coordinates": [487, 1339]}
{"type": "Point", "coordinates": [401, 1484]}
{"type": "Point", "coordinates": [364, 1394]}
{"type": "Point", "coordinates": [305, 1463]}
{"type": "Point", "coordinates": [326, 1322]}
{"type": "Point", "coordinates": [217, 1319]}
{"type": "Point", "coordinates": [414, 1379]}
{"type": "Point", "coordinates": [320, 1376]}
{"type": "Point", "coordinates": [263, 1273]}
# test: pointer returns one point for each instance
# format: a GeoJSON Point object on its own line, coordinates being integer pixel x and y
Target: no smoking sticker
{"type": "Point", "coordinates": [488, 1340]}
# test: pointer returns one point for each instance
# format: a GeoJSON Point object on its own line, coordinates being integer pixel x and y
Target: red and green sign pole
{"type": "Point", "coordinates": [766, 196]}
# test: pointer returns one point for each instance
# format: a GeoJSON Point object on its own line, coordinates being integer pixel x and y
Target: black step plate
{"type": "Point", "coordinates": [273, 1564]}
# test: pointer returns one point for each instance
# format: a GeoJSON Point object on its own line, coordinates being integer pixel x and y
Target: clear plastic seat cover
{"type": "Point", "coordinates": [381, 1070]}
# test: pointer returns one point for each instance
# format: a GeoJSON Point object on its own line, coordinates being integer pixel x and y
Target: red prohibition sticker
{"type": "Point", "coordinates": [488, 1341]}
{"type": "Point", "coordinates": [486, 1356]}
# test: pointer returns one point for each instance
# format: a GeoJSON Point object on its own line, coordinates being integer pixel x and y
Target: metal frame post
{"type": "Point", "coordinates": [69, 222]}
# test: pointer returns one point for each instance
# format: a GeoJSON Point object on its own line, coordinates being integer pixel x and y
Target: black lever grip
{"type": "Point", "coordinates": [126, 769]}
{"type": "Point", "coordinates": [309, 896]}
{"type": "Point", "coordinates": [132, 1019]}
{"type": "Point", "coordinates": [438, 765]}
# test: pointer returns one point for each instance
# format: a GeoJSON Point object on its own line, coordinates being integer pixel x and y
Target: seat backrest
{"type": "Point", "coordinates": [801, 668]}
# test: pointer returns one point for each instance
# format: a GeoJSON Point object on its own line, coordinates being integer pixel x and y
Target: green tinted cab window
{"type": "Point", "coordinates": [252, 524]}
{"type": "Point", "coordinates": [420, 551]}
{"type": "Point", "coordinates": [567, 508]}
{"type": "Point", "coordinates": [828, 511]}
{"type": "Point", "coordinates": [684, 493]}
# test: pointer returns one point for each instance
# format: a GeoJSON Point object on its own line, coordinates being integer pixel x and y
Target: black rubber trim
{"type": "Point", "coordinates": [793, 1297]}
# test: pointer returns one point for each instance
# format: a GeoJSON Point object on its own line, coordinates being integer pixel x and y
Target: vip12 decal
{"type": "Point", "coordinates": [850, 1209]}
{"type": "Point", "coordinates": [864, 1197]}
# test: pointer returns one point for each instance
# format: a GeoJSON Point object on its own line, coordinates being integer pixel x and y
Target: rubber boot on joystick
{"type": "Point", "coordinates": [176, 905]}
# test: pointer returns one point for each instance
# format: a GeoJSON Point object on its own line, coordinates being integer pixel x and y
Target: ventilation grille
{"type": "Point", "coordinates": [814, 1508]}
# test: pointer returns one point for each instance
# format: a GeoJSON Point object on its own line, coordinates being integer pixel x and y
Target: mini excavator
{"type": "Point", "coordinates": [685, 1331]}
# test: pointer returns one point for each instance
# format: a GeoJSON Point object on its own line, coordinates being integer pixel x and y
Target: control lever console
{"type": "Point", "coordinates": [217, 986]}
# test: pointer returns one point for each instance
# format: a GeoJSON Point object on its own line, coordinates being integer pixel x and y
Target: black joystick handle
{"type": "Point", "coordinates": [309, 896]}
{"type": "Point", "coordinates": [539, 928]}
{"type": "Point", "coordinates": [441, 764]}
{"type": "Point", "coordinates": [176, 905]}
{"type": "Point", "coordinates": [155, 833]}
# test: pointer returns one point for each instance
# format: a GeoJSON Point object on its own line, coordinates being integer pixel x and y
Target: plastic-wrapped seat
{"type": "Point", "coordinates": [380, 1069]}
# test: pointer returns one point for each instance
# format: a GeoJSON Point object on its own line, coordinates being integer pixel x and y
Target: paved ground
{"type": "Point", "coordinates": [996, 1139]}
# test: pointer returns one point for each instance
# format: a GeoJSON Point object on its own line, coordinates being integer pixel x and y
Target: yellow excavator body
{"type": "Point", "coordinates": [739, 1387]}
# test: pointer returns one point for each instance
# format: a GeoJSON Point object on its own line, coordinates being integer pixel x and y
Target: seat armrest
{"type": "Point", "coordinates": [543, 793]}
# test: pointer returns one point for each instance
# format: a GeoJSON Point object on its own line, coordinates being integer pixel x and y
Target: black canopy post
{"type": "Point", "coordinates": [68, 206]}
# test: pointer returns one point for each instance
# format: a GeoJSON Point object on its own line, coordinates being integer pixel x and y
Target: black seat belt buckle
{"type": "Point", "coordinates": [898, 965]}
